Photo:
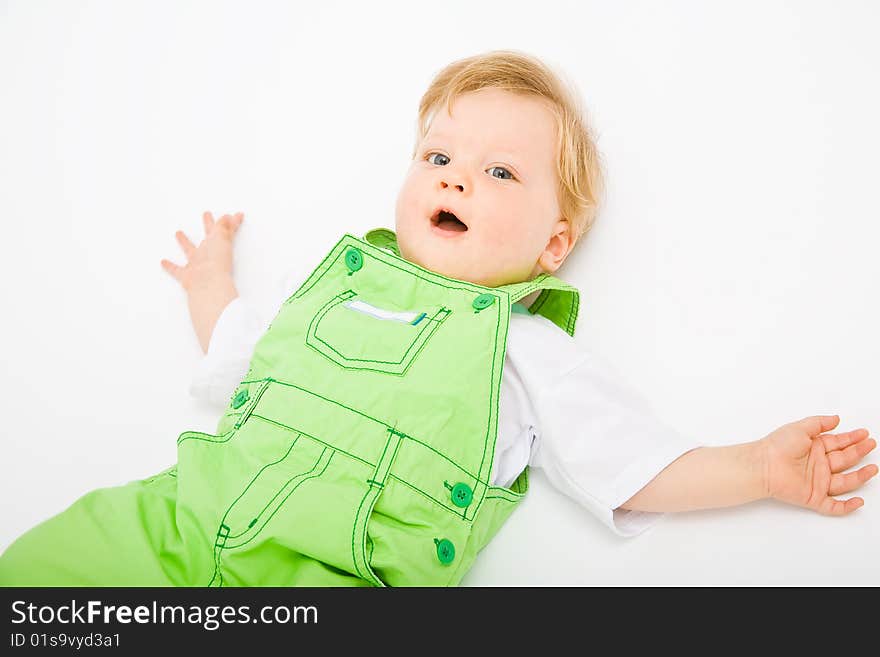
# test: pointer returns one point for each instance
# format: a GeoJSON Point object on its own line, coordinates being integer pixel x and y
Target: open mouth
{"type": "Point", "coordinates": [445, 220]}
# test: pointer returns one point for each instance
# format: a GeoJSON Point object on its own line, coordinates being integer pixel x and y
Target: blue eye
{"type": "Point", "coordinates": [438, 163]}
{"type": "Point", "coordinates": [506, 175]}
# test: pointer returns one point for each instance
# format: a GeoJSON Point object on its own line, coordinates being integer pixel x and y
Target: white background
{"type": "Point", "coordinates": [731, 276]}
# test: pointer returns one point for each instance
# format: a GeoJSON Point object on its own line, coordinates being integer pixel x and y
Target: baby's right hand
{"type": "Point", "coordinates": [212, 258]}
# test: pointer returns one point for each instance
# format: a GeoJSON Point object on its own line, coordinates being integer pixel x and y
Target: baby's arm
{"type": "Point", "coordinates": [207, 275]}
{"type": "Point", "coordinates": [794, 464]}
{"type": "Point", "coordinates": [703, 478]}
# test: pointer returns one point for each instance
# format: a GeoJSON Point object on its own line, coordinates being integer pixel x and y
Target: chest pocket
{"type": "Point", "coordinates": [357, 334]}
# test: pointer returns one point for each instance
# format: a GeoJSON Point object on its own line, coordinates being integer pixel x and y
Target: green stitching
{"type": "Point", "coordinates": [421, 339]}
{"type": "Point", "coordinates": [354, 529]}
{"type": "Point", "coordinates": [493, 415]}
{"type": "Point", "coordinates": [478, 485]}
{"type": "Point", "coordinates": [253, 404]}
{"type": "Point", "coordinates": [305, 477]}
{"type": "Point", "coordinates": [455, 512]}
{"type": "Point", "coordinates": [209, 437]}
{"type": "Point", "coordinates": [317, 440]}
{"type": "Point", "coordinates": [256, 476]}
{"type": "Point", "coordinates": [422, 345]}
{"type": "Point", "coordinates": [381, 470]}
{"type": "Point", "coordinates": [384, 424]}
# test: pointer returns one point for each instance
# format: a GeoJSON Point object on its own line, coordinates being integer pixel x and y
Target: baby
{"type": "Point", "coordinates": [378, 475]}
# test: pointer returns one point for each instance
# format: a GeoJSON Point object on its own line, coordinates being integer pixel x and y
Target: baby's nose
{"type": "Point", "coordinates": [444, 184]}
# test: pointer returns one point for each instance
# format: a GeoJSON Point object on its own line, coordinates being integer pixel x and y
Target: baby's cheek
{"type": "Point", "coordinates": [407, 205]}
{"type": "Point", "coordinates": [505, 233]}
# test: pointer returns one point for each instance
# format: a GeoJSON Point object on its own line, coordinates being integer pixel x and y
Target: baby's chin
{"type": "Point", "coordinates": [450, 262]}
{"type": "Point", "coordinates": [459, 272]}
{"type": "Point", "coordinates": [438, 265]}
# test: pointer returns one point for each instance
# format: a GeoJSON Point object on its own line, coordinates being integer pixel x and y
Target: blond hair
{"type": "Point", "coordinates": [579, 168]}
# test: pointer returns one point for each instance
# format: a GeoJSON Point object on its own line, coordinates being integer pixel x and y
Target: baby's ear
{"type": "Point", "coordinates": [558, 247]}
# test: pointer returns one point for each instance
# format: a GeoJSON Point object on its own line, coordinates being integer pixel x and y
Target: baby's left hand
{"type": "Point", "coordinates": [804, 467]}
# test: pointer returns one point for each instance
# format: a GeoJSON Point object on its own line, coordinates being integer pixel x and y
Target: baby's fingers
{"type": "Point", "coordinates": [207, 222]}
{"type": "Point", "coordinates": [171, 268]}
{"type": "Point", "coordinates": [187, 246]}
{"type": "Point", "coordinates": [232, 221]}
{"type": "Point", "coordinates": [832, 507]}
{"type": "Point", "coordinates": [833, 441]}
{"type": "Point", "coordinates": [840, 460]}
{"type": "Point", "coordinates": [844, 483]}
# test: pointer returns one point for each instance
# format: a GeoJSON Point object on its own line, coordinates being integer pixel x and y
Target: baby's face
{"type": "Point", "coordinates": [492, 164]}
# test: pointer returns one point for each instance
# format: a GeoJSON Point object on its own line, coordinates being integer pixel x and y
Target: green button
{"type": "Point", "coordinates": [462, 495]}
{"type": "Point", "coordinates": [445, 551]}
{"type": "Point", "coordinates": [354, 259]}
{"type": "Point", "coordinates": [240, 398]}
{"type": "Point", "coordinates": [484, 301]}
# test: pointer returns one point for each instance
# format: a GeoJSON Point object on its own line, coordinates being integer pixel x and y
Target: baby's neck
{"type": "Point", "coordinates": [528, 300]}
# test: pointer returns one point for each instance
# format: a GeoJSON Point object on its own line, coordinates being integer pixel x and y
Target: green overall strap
{"type": "Point", "coordinates": [384, 239]}
{"type": "Point", "coordinates": [558, 301]}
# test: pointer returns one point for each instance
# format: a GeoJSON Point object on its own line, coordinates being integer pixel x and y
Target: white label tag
{"type": "Point", "coordinates": [381, 313]}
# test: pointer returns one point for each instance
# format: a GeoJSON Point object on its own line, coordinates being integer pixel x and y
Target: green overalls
{"type": "Point", "coordinates": [357, 450]}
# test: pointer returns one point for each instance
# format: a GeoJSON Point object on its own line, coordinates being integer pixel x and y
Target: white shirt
{"type": "Point", "coordinates": [561, 409]}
